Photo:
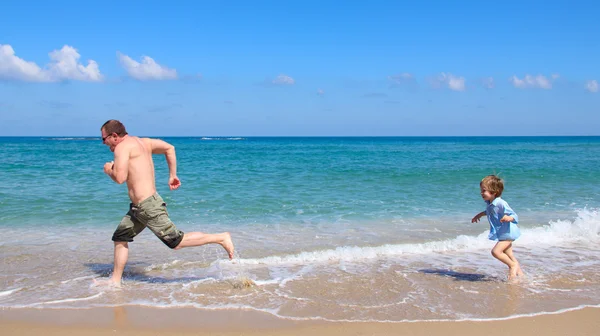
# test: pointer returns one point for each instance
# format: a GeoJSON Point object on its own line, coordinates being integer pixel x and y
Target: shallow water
{"type": "Point", "coordinates": [354, 229]}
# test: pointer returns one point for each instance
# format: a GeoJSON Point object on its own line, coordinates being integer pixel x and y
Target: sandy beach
{"type": "Point", "coordinates": [299, 168]}
{"type": "Point", "coordinates": [152, 321]}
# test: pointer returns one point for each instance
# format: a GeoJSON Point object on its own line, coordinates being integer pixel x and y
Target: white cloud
{"type": "Point", "coordinates": [529, 81]}
{"type": "Point", "coordinates": [320, 92]}
{"type": "Point", "coordinates": [64, 65]}
{"type": "Point", "coordinates": [13, 67]}
{"type": "Point", "coordinates": [488, 83]}
{"type": "Point", "coordinates": [592, 85]}
{"type": "Point", "coordinates": [283, 80]}
{"type": "Point", "coordinates": [148, 69]}
{"type": "Point", "coordinates": [452, 82]}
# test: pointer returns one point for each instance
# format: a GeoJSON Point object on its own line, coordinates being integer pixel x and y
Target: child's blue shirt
{"type": "Point", "coordinates": [495, 210]}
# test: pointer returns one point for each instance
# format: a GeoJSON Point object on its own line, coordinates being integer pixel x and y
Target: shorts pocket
{"type": "Point", "coordinates": [154, 210]}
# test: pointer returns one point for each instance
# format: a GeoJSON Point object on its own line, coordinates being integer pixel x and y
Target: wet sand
{"type": "Point", "coordinates": [138, 321]}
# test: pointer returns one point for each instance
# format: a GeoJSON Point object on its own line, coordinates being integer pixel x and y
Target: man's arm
{"type": "Point", "coordinates": [119, 170]}
{"type": "Point", "coordinates": [163, 147]}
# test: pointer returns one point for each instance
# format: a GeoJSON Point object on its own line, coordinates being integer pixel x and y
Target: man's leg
{"type": "Point", "coordinates": [121, 255]}
{"type": "Point", "coordinates": [125, 232]}
{"type": "Point", "coordinates": [198, 238]}
{"type": "Point", "coordinates": [162, 226]}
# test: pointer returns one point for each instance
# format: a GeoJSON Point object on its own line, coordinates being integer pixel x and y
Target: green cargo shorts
{"type": "Point", "coordinates": [151, 213]}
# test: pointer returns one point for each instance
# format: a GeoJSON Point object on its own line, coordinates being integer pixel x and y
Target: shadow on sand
{"type": "Point", "coordinates": [133, 272]}
{"type": "Point", "coordinates": [458, 276]}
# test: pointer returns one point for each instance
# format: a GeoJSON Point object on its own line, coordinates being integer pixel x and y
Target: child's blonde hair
{"type": "Point", "coordinates": [493, 184]}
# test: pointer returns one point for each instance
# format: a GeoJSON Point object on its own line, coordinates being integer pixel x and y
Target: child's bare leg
{"type": "Point", "coordinates": [498, 253]}
{"type": "Point", "coordinates": [509, 253]}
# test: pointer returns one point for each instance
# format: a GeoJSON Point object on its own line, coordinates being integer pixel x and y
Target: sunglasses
{"type": "Point", "coordinates": [106, 137]}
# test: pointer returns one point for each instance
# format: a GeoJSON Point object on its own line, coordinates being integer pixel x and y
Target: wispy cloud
{"type": "Point", "coordinates": [148, 69]}
{"type": "Point", "coordinates": [401, 79]}
{"type": "Point", "coordinates": [64, 65]}
{"type": "Point", "coordinates": [283, 80]}
{"type": "Point", "coordinates": [320, 92]}
{"type": "Point", "coordinates": [591, 85]}
{"type": "Point", "coordinates": [280, 80]}
{"type": "Point", "coordinates": [448, 80]}
{"type": "Point", "coordinates": [533, 82]}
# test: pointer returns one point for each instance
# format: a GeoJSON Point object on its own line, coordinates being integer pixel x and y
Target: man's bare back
{"type": "Point", "coordinates": [133, 157]}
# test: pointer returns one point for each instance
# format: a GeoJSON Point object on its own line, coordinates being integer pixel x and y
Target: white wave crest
{"type": "Point", "coordinates": [71, 299]}
{"type": "Point", "coordinates": [583, 229]}
{"type": "Point", "coordinates": [9, 292]}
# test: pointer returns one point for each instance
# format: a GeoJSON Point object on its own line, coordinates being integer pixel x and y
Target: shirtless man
{"type": "Point", "coordinates": [133, 164]}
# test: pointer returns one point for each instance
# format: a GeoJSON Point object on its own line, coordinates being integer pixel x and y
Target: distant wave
{"type": "Point", "coordinates": [209, 138]}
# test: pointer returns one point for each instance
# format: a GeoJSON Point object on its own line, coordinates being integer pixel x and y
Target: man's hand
{"type": "Point", "coordinates": [506, 218]}
{"type": "Point", "coordinates": [108, 167]}
{"type": "Point", "coordinates": [174, 182]}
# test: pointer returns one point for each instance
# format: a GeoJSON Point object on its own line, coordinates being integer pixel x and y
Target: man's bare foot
{"type": "Point", "coordinates": [227, 244]}
{"type": "Point", "coordinates": [107, 283]}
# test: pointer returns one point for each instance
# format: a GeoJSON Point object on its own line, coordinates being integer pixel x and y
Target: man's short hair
{"type": "Point", "coordinates": [114, 126]}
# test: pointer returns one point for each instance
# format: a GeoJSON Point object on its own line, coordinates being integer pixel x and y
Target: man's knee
{"type": "Point", "coordinates": [172, 238]}
{"type": "Point", "coordinates": [175, 242]}
{"type": "Point", "coordinates": [121, 244]}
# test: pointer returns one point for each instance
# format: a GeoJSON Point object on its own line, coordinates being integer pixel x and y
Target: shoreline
{"type": "Point", "coordinates": [136, 320]}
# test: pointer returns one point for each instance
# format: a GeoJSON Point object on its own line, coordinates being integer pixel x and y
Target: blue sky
{"type": "Point", "coordinates": [277, 68]}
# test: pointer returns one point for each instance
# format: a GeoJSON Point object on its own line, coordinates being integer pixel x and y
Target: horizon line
{"type": "Point", "coordinates": [305, 136]}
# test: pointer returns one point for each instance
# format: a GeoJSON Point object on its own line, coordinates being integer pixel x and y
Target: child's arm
{"type": "Point", "coordinates": [477, 217]}
{"type": "Point", "coordinates": [509, 215]}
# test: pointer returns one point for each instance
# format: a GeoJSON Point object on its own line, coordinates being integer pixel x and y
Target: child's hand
{"type": "Point", "coordinates": [476, 218]}
{"type": "Point", "coordinates": [506, 218]}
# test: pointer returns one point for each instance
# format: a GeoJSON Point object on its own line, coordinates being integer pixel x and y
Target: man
{"type": "Point", "coordinates": [133, 164]}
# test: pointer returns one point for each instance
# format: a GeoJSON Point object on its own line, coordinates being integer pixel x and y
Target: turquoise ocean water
{"type": "Point", "coordinates": [335, 228]}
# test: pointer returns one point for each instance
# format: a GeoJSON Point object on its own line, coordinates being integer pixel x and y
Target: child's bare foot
{"type": "Point", "coordinates": [519, 271]}
{"type": "Point", "coordinates": [227, 244]}
{"type": "Point", "coordinates": [512, 271]}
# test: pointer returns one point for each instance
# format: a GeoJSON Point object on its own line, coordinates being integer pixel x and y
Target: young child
{"type": "Point", "coordinates": [503, 223]}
